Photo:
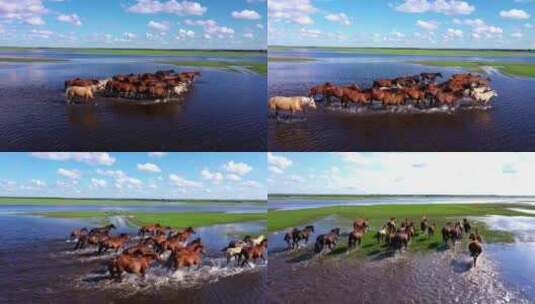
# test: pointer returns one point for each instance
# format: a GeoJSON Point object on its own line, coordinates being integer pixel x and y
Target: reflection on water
{"type": "Point", "coordinates": [505, 127]}
{"type": "Point", "coordinates": [34, 115]}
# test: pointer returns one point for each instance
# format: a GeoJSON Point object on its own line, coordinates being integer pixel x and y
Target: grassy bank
{"type": "Point", "coordinates": [28, 60]}
{"type": "Point", "coordinates": [378, 215]}
{"type": "Point", "coordinates": [33, 201]}
{"type": "Point", "coordinates": [173, 219]}
{"type": "Point", "coordinates": [414, 51]}
{"type": "Point", "coordinates": [282, 219]}
{"type": "Point", "coordinates": [147, 52]}
{"type": "Point", "coordinates": [523, 69]}
{"type": "Point", "coordinates": [236, 66]}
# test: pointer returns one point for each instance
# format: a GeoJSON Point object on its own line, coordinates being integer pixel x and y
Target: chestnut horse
{"type": "Point", "coordinates": [328, 239]}
{"type": "Point", "coordinates": [115, 242]}
{"type": "Point", "coordinates": [253, 253]}
{"type": "Point", "coordinates": [355, 237]}
{"type": "Point", "coordinates": [131, 264]}
{"type": "Point", "coordinates": [474, 246]}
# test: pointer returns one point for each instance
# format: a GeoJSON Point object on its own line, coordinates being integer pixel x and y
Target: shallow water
{"type": "Point", "coordinates": [34, 115]}
{"type": "Point", "coordinates": [504, 273]}
{"type": "Point", "coordinates": [504, 127]}
{"type": "Point", "coordinates": [40, 266]}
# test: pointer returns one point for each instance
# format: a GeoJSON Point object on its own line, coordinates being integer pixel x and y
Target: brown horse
{"type": "Point", "coordinates": [150, 229]}
{"type": "Point", "coordinates": [253, 253]}
{"type": "Point", "coordinates": [383, 83]}
{"type": "Point", "coordinates": [430, 77]}
{"type": "Point", "coordinates": [424, 224]}
{"type": "Point", "coordinates": [415, 94]}
{"type": "Point", "coordinates": [357, 97]}
{"type": "Point", "coordinates": [184, 235]}
{"type": "Point", "coordinates": [131, 264]}
{"type": "Point", "coordinates": [394, 98]}
{"type": "Point", "coordinates": [355, 237]}
{"type": "Point", "coordinates": [299, 235]}
{"type": "Point", "coordinates": [188, 257]}
{"type": "Point", "coordinates": [361, 224]}
{"type": "Point", "coordinates": [449, 99]}
{"type": "Point", "coordinates": [400, 241]}
{"type": "Point", "coordinates": [328, 239]}
{"type": "Point", "coordinates": [321, 89]}
{"type": "Point", "coordinates": [474, 246]}
{"type": "Point", "coordinates": [466, 225]}
{"type": "Point", "coordinates": [77, 233]}
{"type": "Point", "coordinates": [105, 229]}
{"type": "Point", "coordinates": [140, 250]}
{"type": "Point", "coordinates": [431, 230]}
{"type": "Point", "coordinates": [115, 242]}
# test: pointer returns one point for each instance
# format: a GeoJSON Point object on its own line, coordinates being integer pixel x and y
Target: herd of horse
{"type": "Point", "coordinates": [148, 86]}
{"type": "Point", "coordinates": [395, 237]}
{"type": "Point", "coordinates": [164, 245]}
{"type": "Point", "coordinates": [421, 90]}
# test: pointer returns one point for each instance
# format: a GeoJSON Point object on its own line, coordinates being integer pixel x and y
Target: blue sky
{"type": "Point", "coordinates": [134, 175]}
{"type": "Point", "coordinates": [407, 23]}
{"type": "Point", "coordinates": [134, 23]}
{"type": "Point", "coordinates": [402, 173]}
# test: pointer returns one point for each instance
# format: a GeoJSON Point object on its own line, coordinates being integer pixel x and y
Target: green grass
{"type": "Point", "coordinates": [236, 66]}
{"type": "Point", "coordinates": [28, 60]}
{"type": "Point", "coordinates": [377, 215]}
{"type": "Point", "coordinates": [148, 52]}
{"type": "Point", "coordinates": [414, 51]}
{"type": "Point", "coordinates": [290, 59]}
{"type": "Point", "coordinates": [173, 219]}
{"type": "Point", "coordinates": [106, 202]}
{"type": "Point", "coordinates": [523, 69]}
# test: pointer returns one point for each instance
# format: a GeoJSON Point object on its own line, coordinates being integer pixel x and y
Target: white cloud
{"type": "Point", "coordinates": [356, 158]}
{"type": "Point", "coordinates": [72, 174]}
{"type": "Point", "coordinates": [121, 179]}
{"type": "Point", "coordinates": [454, 33]}
{"type": "Point", "coordinates": [339, 18]}
{"type": "Point", "coordinates": [481, 29]}
{"type": "Point", "coordinates": [98, 183]}
{"type": "Point", "coordinates": [149, 167]}
{"type": "Point", "coordinates": [233, 177]}
{"type": "Point", "coordinates": [252, 184]}
{"type": "Point", "coordinates": [38, 183]}
{"type": "Point", "coordinates": [517, 35]}
{"type": "Point", "coordinates": [211, 28]}
{"type": "Point", "coordinates": [239, 168]}
{"type": "Point", "coordinates": [446, 7]}
{"type": "Point", "coordinates": [277, 164]}
{"type": "Point", "coordinates": [427, 25]}
{"type": "Point", "coordinates": [215, 177]}
{"type": "Point", "coordinates": [158, 26]}
{"type": "Point", "coordinates": [296, 11]}
{"type": "Point", "coordinates": [72, 19]}
{"type": "Point", "coordinates": [181, 182]}
{"type": "Point", "coordinates": [170, 7]}
{"type": "Point", "coordinates": [27, 11]}
{"type": "Point", "coordinates": [246, 14]}
{"type": "Point", "coordinates": [514, 14]}
{"type": "Point", "coordinates": [157, 154]}
{"type": "Point", "coordinates": [182, 33]}
{"type": "Point", "coordinates": [248, 35]}
{"type": "Point", "coordinates": [91, 158]}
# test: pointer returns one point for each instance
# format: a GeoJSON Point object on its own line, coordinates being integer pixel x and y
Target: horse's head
{"type": "Point", "coordinates": [309, 101]}
{"type": "Point", "coordinates": [112, 226]}
{"type": "Point", "coordinates": [310, 227]}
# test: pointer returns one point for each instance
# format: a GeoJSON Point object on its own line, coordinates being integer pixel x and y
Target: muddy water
{"type": "Point", "coordinates": [39, 266]}
{"type": "Point", "coordinates": [34, 115]}
{"type": "Point", "coordinates": [504, 273]}
{"type": "Point", "coordinates": [504, 127]}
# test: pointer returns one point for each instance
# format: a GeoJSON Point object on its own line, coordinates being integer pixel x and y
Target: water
{"type": "Point", "coordinates": [303, 203]}
{"type": "Point", "coordinates": [224, 111]}
{"type": "Point", "coordinates": [38, 265]}
{"type": "Point", "coordinates": [504, 127]}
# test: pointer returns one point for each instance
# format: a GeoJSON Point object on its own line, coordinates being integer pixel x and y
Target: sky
{"type": "Point", "coordinates": [403, 23]}
{"type": "Point", "coordinates": [402, 173]}
{"type": "Point", "coordinates": [235, 24]}
{"type": "Point", "coordinates": [134, 175]}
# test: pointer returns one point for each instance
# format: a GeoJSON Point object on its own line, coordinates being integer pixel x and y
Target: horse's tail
{"type": "Point", "coordinates": [68, 93]}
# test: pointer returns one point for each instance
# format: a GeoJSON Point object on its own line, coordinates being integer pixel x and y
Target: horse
{"type": "Point", "coordinates": [383, 83]}
{"type": "Point", "coordinates": [139, 250]}
{"type": "Point", "coordinates": [189, 257]}
{"type": "Point", "coordinates": [355, 237]}
{"type": "Point", "coordinates": [131, 264]}
{"type": "Point", "coordinates": [150, 229]}
{"type": "Point", "coordinates": [474, 246]}
{"type": "Point", "coordinates": [381, 234]}
{"type": "Point", "coordinates": [292, 104]}
{"type": "Point", "coordinates": [77, 233]}
{"type": "Point", "coordinates": [483, 95]}
{"type": "Point", "coordinates": [298, 235]}
{"type": "Point", "coordinates": [356, 96]}
{"type": "Point", "coordinates": [423, 224]}
{"type": "Point", "coordinates": [466, 225]}
{"type": "Point", "coordinates": [105, 229]}
{"type": "Point", "coordinates": [328, 239]}
{"type": "Point", "coordinates": [431, 77]}
{"type": "Point", "coordinates": [431, 230]}
{"type": "Point", "coordinates": [253, 253]}
{"type": "Point", "coordinates": [361, 224]}
{"type": "Point", "coordinates": [86, 93]}
{"type": "Point", "coordinates": [116, 242]}
{"type": "Point", "coordinates": [400, 241]}
{"type": "Point", "coordinates": [449, 99]}
{"type": "Point", "coordinates": [393, 98]}
{"type": "Point", "coordinates": [415, 94]}
{"type": "Point", "coordinates": [184, 234]}
{"type": "Point", "coordinates": [321, 89]}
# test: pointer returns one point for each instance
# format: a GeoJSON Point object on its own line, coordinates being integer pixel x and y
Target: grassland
{"type": "Point", "coordinates": [32, 201]}
{"type": "Point", "coordinates": [437, 214]}
{"type": "Point", "coordinates": [172, 219]}
{"type": "Point", "coordinates": [523, 69]}
{"type": "Point", "coordinates": [414, 51]}
{"type": "Point", "coordinates": [236, 66]}
{"type": "Point", "coordinates": [28, 60]}
{"type": "Point", "coordinates": [147, 52]}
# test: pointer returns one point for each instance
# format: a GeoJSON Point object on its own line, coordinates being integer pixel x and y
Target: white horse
{"type": "Point", "coordinates": [292, 104]}
{"type": "Point", "coordinates": [483, 94]}
{"type": "Point", "coordinates": [86, 93]}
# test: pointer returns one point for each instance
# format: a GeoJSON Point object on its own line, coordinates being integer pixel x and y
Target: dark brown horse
{"type": "Point", "coordinates": [355, 237]}
{"type": "Point", "coordinates": [252, 253]}
{"type": "Point", "coordinates": [430, 77]}
{"type": "Point", "coordinates": [115, 242]}
{"type": "Point", "coordinates": [105, 229]}
{"type": "Point", "coordinates": [328, 239]}
{"type": "Point", "coordinates": [474, 246]}
{"type": "Point", "coordinates": [466, 225]}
